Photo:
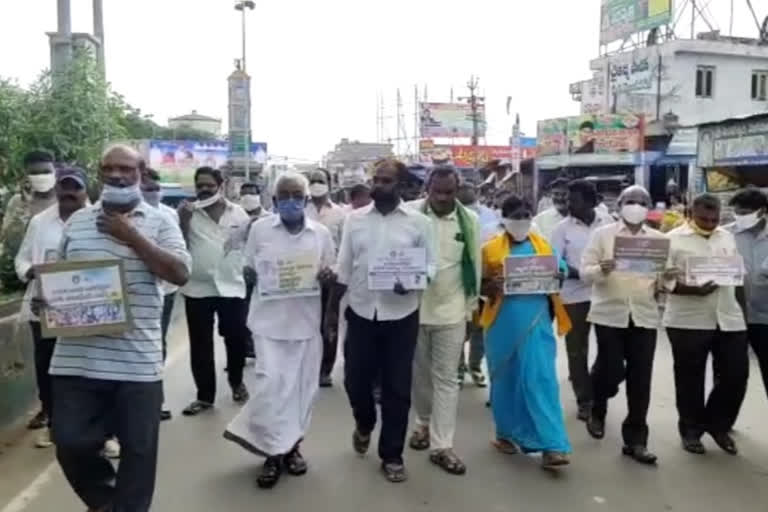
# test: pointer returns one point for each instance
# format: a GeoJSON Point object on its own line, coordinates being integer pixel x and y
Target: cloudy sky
{"type": "Point", "coordinates": [318, 66]}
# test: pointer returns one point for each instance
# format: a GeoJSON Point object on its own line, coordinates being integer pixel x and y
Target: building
{"type": "Point", "coordinates": [353, 154]}
{"type": "Point", "coordinates": [195, 121]}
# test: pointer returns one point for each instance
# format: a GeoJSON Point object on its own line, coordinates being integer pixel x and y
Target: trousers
{"type": "Point", "coordinates": [577, 346]}
{"type": "Point", "coordinates": [43, 351]}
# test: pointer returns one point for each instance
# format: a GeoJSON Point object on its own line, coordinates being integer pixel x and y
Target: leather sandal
{"type": "Point", "coordinates": [270, 473]}
{"type": "Point", "coordinates": [448, 460]}
{"type": "Point", "coordinates": [419, 439]}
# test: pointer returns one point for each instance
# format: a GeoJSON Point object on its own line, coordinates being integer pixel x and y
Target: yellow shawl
{"type": "Point", "coordinates": [494, 253]}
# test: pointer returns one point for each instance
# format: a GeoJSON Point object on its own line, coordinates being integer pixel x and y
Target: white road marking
{"type": "Point", "coordinates": [33, 491]}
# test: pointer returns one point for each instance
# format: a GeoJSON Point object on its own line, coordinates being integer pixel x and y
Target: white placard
{"type": "Point", "coordinates": [407, 266]}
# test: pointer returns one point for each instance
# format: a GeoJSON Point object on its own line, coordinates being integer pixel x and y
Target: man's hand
{"type": "Point", "coordinates": [185, 211]}
{"type": "Point", "coordinates": [30, 275]}
{"type": "Point", "coordinates": [399, 289]}
{"type": "Point", "coordinates": [250, 276]}
{"type": "Point", "coordinates": [670, 274]}
{"type": "Point", "coordinates": [117, 226]}
{"type": "Point", "coordinates": [37, 305]}
{"type": "Point", "coordinates": [707, 288]}
{"type": "Point", "coordinates": [326, 276]}
{"type": "Point", "coordinates": [607, 266]}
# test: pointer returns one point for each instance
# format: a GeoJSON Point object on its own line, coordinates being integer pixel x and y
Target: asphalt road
{"type": "Point", "coordinates": [201, 472]}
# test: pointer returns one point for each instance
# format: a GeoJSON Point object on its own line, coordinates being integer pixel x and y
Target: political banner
{"type": "Point", "coordinates": [451, 120]}
{"type": "Point", "coordinates": [620, 19]}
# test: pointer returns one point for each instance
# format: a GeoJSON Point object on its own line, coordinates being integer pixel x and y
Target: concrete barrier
{"type": "Point", "coordinates": [18, 391]}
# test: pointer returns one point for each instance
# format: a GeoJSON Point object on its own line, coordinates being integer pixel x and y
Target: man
{"type": "Point", "coordinates": [216, 288]}
{"type": "Point", "coordinates": [321, 209]}
{"type": "Point", "coordinates": [703, 319]}
{"type": "Point", "coordinates": [751, 233]}
{"type": "Point", "coordinates": [413, 182]}
{"type": "Point", "coordinates": [569, 239]}
{"type": "Point", "coordinates": [359, 196]}
{"type": "Point", "coordinates": [546, 221]}
{"type": "Point", "coordinates": [586, 138]}
{"type": "Point", "coordinates": [449, 300]}
{"type": "Point", "coordinates": [489, 222]}
{"type": "Point", "coordinates": [41, 245]}
{"type": "Point", "coordinates": [250, 200]}
{"type": "Point", "coordinates": [286, 334]}
{"type": "Point", "coordinates": [113, 384]}
{"type": "Point", "coordinates": [41, 179]}
{"type": "Point", "coordinates": [382, 325]}
{"type": "Point", "coordinates": [626, 316]}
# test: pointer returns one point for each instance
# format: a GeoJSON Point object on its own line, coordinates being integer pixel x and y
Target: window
{"type": "Point", "coordinates": [705, 81]}
{"type": "Point", "coordinates": [760, 85]}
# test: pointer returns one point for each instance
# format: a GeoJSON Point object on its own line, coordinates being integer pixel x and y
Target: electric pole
{"type": "Point", "coordinates": [476, 106]}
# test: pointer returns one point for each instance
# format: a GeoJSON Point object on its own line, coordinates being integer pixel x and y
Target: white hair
{"type": "Point", "coordinates": [294, 177]}
{"type": "Point", "coordinates": [633, 189]}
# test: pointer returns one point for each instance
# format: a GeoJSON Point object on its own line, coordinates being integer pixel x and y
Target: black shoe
{"type": "Point", "coordinates": [326, 381]}
{"type": "Point", "coordinates": [596, 427]}
{"type": "Point", "coordinates": [640, 453]}
{"type": "Point", "coordinates": [196, 408]}
{"type": "Point", "coordinates": [270, 473]}
{"type": "Point", "coordinates": [38, 421]}
{"type": "Point", "coordinates": [294, 462]}
{"type": "Point", "coordinates": [165, 415]}
{"type": "Point", "coordinates": [726, 443]}
{"type": "Point", "coordinates": [361, 442]}
{"type": "Point", "coordinates": [240, 394]}
{"type": "Point", "coordinates": [584, 411]}
{"type": "Point", "coordinates": [693, 445]}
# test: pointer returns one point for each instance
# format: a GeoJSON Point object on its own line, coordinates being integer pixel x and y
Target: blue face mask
{"type": "Point", "coordinates": [291, 210]}
{"type": "Point", "coordinates": [121, 196]}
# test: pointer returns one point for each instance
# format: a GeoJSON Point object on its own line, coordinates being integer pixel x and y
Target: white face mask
{"type": "Point", "coordinates": [517, 229]}
{"type": "Point", "coordinates": [318, 189]}
{"type": "Point", "coordinates": [744, 222]}
{"type": "Point", "coordinates": [250, 202]}
{"type": "Point", "coordinates": [42, 182]}
{"type": "Point", "coordinates": [205, 203]}
{"type": "Point", "coordinates": [634, 213]}
{"type": "Point", "coordinates": [121, 196]}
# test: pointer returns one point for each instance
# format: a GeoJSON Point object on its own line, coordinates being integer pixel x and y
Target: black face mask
{"type": "Point", "coordinates": [381, 196]}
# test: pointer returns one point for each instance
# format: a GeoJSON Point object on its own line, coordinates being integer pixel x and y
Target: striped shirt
{"type": "Point", "coordinates": [135, 355]}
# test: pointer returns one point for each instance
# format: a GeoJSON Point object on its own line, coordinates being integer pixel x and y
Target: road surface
{"type": "Point", "coordinates": [201, 472]}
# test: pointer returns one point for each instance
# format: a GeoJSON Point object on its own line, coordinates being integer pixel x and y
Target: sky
{"type": "Point", "coordinates": [318, 66]}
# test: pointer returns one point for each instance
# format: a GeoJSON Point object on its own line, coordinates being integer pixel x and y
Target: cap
{"type": "Point", "coordinates": [72, 173]}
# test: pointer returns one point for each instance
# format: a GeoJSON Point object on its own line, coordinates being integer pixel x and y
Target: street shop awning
{"type": "Point", "coordinates": [681, 149]}
{"type": "Point", "coordinates": [598, 160]}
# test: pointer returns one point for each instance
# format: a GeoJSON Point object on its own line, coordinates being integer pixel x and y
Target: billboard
{"type": "Point", "coordinates": [622, 18]}
{"type": "Point", "coordinates": [177, 160]}
{"type": "Point", "coordinates": [450, 120]}
{"type": "Point", "coordinates": [607, 138]}
{"type": "Point", "coordinates": [468, 156]}
{"type": "Point", "coordinates": [737, 143]}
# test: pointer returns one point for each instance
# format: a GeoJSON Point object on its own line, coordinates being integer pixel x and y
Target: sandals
{"type": "Point", "coordinates": [360, 442]}
{"type": "Point", "coordinates": [294, 462]}
{"type": "Point", "coordinates": [394, 472]}
{"type": "Point", "coordinates": [448, 460]}
{"type": "Point", "coordinates": [505, 447]}
{"type": "Point", "coordinates": [196, 408]}
{"type": "Point", "coordinates": [270, 473]}
{"type": "Point", "coordinates": [419, 439]}
{"type": "Point", "coordinates": [554, 460]}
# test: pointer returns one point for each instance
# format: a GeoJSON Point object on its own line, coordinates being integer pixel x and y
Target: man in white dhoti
{"type": "Point", "coordinates": [291, 255]}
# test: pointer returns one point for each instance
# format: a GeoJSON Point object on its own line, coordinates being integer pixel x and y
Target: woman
{"type": "Point", "coordinates": [521, 347]}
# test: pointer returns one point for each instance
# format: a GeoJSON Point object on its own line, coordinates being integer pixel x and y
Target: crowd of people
{"type": "Point", "coordinates": [402, 347]}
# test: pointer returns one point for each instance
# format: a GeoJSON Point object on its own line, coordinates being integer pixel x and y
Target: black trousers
{"type": "Point", "coordinates": [376, 348]}
{"type": "Point", "coordinates": [577, 344]}
{"type": "Point", "coordinates": [330, 346]}
{"type": "Point", "coordinates": [231, 313]}
{"type": "Point", "coordinates": [165, 320]}
{"type": "Point", "coordinates": [625, 353]}
{"type": "Point", "coordinates": [691, 349]}
{"type": "Point", "coordinates": [249, 349]}
{"type": "Point", "coordinates": [758, 339]}
{"type": "Point", "coordinates": [43, 351]}
{"type": "Point", "coordinates": [87, 411]}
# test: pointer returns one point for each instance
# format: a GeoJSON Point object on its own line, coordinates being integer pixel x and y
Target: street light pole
{"type": "Point", "coordinates": [242, 6]}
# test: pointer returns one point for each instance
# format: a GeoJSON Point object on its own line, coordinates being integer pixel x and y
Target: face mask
{"type": "Point", "coordinates": [634, 213]}
{"type": "Point", "coordinates": [250, 202]}
{"type": "Point", "coordinates": [121, 196]}
{"type": "Point", "coordinates": [291, 210]}
{"type": "Point", "coordinates": [153, 197]}
{"type": "Point", "coordinates": [318, 189]}
{"type": "Point", "coordinates": [744, 222]}
{"type": "Point", "coordinates": [701, 231]}
{"type": "Point", "coordinates": [205, 203]}
{"type": "Point", "coordinates": [42, 182]}
{"type": "Point", "coordinates": [517, 229]}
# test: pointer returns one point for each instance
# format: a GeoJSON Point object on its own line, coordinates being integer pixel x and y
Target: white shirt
{"type": "Point", "coordinates": [569, 239]}
{"type": "Point", "coordinates": [330, 215]}
{"type": "Point", "coordinates": [214, 272]}
{"type": "Point", "coordinates": [295, 318]}
{"type": "Point", "coordinates": [445, 301]}
{"type": "Point", "coordinates": [165, 287]}
{"type": "Point", "coordinates": [719, 308]}
{"type": "Point", "coordinates": [40, 245]}
{"type": "Point", "coordinates": [368, 232]}
{"type": "Point", "coordinates": [546, 221]}
{"type": "Point", "coordinates": [617, 296]}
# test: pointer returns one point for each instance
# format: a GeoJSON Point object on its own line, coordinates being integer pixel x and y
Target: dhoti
{"type": "Point", "coordinates": [283, 390]}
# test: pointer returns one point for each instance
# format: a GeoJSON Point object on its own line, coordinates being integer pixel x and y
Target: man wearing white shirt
{"type": "Point", "coordinates": [546, 221]}
{"type": "Point", "coordinates": [704, 319]}
{"type": "Point", "coordinates": [41, 245]}
{"type": "Point", "coordinates": [382, 325]}
{"type": "Point", "coordinates": [569, 239]}
{"type": "Point", "coordinates": [625, 314]}
{"type": "Point", "coordinates": [216, 287]}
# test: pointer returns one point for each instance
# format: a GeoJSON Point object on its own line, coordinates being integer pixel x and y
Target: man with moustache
{"type": "Point", "coordinates": [41, 245]}
{"type": "Point", "coordinates": [546, 221]}
{"type": "Point", "coordinates": [113, 384]}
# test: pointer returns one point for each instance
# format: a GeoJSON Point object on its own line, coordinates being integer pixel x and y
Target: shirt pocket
{"type": "Point", "coordinates": [451, 251]}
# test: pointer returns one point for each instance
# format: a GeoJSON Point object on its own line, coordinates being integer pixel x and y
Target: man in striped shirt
{"type": "Point", "coordinates": [113, 384]}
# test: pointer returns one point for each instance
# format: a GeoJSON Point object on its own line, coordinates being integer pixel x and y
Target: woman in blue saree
{"type": "Point", "coordinates": [521, 347]}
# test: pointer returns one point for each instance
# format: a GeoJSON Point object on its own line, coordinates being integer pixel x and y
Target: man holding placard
{"type": "Point", "coordinates": [702, 318]}
{"type": "Point", "coordinates": [291, 256]}
{"type": "Point", "coordinates": [626, 316]}
{"type": "Point", "coordinates": [386, 257]}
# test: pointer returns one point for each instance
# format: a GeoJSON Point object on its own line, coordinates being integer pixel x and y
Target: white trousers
{"type": "Point", "coordinates": [283, 389]}
{"type": "Point", "coordinates": [435, 380]}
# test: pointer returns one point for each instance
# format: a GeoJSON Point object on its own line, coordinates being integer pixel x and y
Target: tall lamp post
{"type": "Point", "coordinates": [242, 6]}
